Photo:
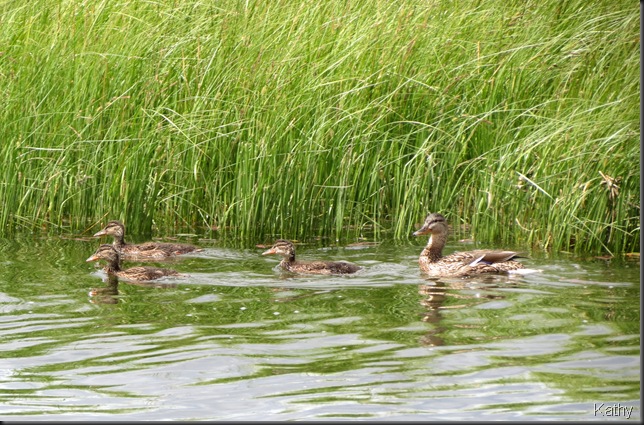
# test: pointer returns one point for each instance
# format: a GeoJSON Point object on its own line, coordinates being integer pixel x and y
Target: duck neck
{"type": "Point", "coordinates": [112, 266]}
{"type": "Point", "coordinates": [288, 260]}
{"type": "Point", "coordinates": [119, 242]}
{"type": "Point", "coordinates": [434, 249]}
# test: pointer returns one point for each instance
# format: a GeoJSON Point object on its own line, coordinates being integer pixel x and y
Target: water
{"type": "Point", "coordinates": [236, 339]}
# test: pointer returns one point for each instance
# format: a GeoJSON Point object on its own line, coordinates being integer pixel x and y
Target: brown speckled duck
{"type": "Point", "coordinates": [147, 250]}
{"type": "Point", "coordinates": [459, 264]}
{"type": "Point", "coordinates": [287, 251]}
{"type": "Point", "coordinates": [142, 273]}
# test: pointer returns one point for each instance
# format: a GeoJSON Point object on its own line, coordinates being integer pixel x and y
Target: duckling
{"type": "Point", "coordinates": [113, 267]}
{"type": "Point", "coordinates": [459, 264]}
{"type": "Point", "coordinates": [287, 251]}
{"type": "Point", "coordinates": [147, 250]}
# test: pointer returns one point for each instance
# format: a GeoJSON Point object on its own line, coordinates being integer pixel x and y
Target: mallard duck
{"type": "Point", "coordinates": [149, 250]}
{"type": "Point", "coordinates": [287, 251]}
{"type": "Point", "coordinates": [142, 273]}
{"type": "Point", "coordinates": [458, 264]}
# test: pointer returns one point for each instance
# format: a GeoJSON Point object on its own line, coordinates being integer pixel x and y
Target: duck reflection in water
{"type": "Point", "coordinates": [109, 294]}
{"type": "Point", "coordinates": [439, 295]}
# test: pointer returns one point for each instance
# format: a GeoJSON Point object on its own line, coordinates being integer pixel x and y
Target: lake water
{"type": "Point", "coordinates": [237, 339]}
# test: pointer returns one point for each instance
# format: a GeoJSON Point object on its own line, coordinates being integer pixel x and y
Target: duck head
{"type": "Point", "coordinates": [113, 228]}
{"type": "Point", "coordinates": [434, 224]}
{"type": "Point", "coordinates": [104, 252]}
{"type": "Point", "coordinates": [281, 247]}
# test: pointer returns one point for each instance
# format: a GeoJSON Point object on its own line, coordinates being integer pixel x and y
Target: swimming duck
{"type": "Point", "coordinates": [113, 267]}
{"type": "Point", "coordinates": [147, 250]}
{"type": "Point", "coordinates": [287, 251]}
{"type": "Point", "coordinates": [459, 264]}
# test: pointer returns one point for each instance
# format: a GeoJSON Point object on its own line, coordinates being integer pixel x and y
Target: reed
{"type": "Point", "coordinates": [324, 118]}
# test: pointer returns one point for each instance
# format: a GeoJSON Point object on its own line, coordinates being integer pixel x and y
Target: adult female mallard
{"type": "Point", "coordinates": [142, 273]}
{"type": "Point", "coordinates": [287, 251]}
{"type": "Point", "coordinates": [147, 250]}
{"type": "Point", "coordinates": [458, 264]}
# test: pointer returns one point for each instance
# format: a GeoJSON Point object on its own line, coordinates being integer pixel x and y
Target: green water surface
{"type": "Point", "coordinates": [234, 338]}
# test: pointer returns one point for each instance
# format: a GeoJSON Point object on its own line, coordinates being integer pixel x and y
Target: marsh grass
{"type": "Point", "coordinates": [324, 118]}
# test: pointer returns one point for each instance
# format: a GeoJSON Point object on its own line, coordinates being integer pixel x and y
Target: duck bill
{"type": "Point", "coordinates": [422, 231]}
{"type": "Point", "coordinates": [100, 233]}
{"type": "Point", "coordinates": [92, 258]}
{"type": "Point", "coordinates": [269, 252]}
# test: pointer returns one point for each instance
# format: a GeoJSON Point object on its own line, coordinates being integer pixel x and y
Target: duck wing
{"type": "Point", "coordinates": [491, 257]}
{"type": "Point", "coordinates": [156, 250]}
{"type": "Point", "coordinates": [145, 273]}
{"type": "Point", "coordinates": [324, 267]}
{"type": "Point", "coordinates": [169, 248]}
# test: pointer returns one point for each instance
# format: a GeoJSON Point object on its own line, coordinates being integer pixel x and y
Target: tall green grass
{"type": "Point", "coordinates": [332, 118]}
